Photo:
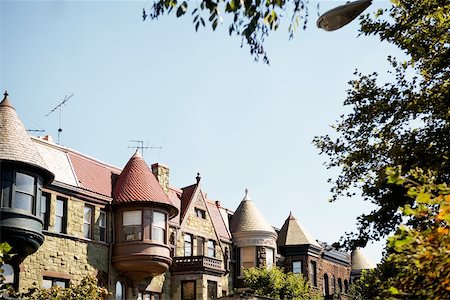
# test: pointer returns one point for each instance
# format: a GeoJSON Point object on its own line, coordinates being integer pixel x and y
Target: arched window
{"type": "Point", "coordinates": [340, 285]}
{"type": "Point", "coordinates": [120, 290]}
{"type": "Point", "coordinates": [326, 285]}
{"type": "Point", "coordinates": [333, 285]}
{"type": "Point", "coordinates": [8, 273]}
{"type": "Point", "coordinates": [346, 286]}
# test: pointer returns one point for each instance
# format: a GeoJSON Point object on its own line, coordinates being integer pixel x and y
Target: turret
{"type": "Point", "coordinates": [142, 210]}
{"type": "Point", "coordinates": [23, 173]}
{"type": "Point", "coordinates": [254, 239]}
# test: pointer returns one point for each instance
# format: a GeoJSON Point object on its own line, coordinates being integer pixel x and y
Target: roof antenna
{"type": "Point", "coordinates": [66, 98]}
{"type": "Point", "coordinates": [140, 145]}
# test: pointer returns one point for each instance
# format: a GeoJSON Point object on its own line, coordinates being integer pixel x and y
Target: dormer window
{"type": "Point", "coordinates": [20, 190]}
{"type": "Point", "coordinates": [132, 225]}
{"type": "Point", "coordinates": [200, 213]}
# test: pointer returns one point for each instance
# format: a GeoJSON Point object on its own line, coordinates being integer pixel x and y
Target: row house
{"type": "Point", "coordinates": [68, 215]}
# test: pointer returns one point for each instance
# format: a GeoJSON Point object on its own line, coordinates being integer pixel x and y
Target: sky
{"type": "Point", "coordinates": [198, 95]}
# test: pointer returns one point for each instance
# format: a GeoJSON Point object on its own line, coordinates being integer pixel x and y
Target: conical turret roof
{"type": "Point", "coordinates": [360, 261]}
{"type": "Point", "coordinates": [248, 218]}
{"type": "Point", "coordinates": [137, 183]}
{"type": "Point", "coordinates": [15, 143]}
{"type": "Point", "coordinates": [293, 233]}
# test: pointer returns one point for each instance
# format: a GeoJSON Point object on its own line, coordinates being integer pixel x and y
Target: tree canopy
{"type": "Point", "coordinates": [417, 261]}
{"type": "Point", "coordinates": [404, 121]}
{"type": "Point", "coordinates": [250, 19]}
{"type": "Point", "coordinates": [276, 284]}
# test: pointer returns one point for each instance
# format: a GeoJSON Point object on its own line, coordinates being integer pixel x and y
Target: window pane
{"type": "Point", "coordinates": [188, 291]}
{"type": "Point", "coordinates": [23, 201]}
{"type": "Point", "coordinates": [8, 273]}
{"type": "Point", "coordinates": [133, 217]}
{"type": "Point", "coordinates": [297, 267]}
{"type": "Point", "coordinates": [59, 208]}
{"type": "Point", "coordinates": [187, 245]}
{"type": "Point", "coordinates": [46, 283]}
{"type": "Point", "coordinates": [132, 233]}
{"type": "Point", "coordinates": [58, 224]}
{"type": "Point", "coordinates": [211, 249]}
{"type": "Point", "coordinates": [269, 258]}
{"type": "Point", "coordinates": [102, 219]}
{"type": "Point", "coordinates": [6, 193]}
{"type": "Point", "coordinates": [87, 215]}
{"type": "Point", "coordinates": [120, 295]}
{"type": "Point", "coordinates": [60, 283]}
{"type": "Point", "coordinates": [159, 219]}
{"type": "Point", "coordinates": [25, 183]}
{"type": "Point", "coordinates": [158, 234]}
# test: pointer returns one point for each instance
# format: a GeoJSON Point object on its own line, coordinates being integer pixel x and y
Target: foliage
{"type": "Point", "coordinates": [87, 289]}
{"type": "Point", "coordinates": [277, 284]}
{"type": "Point", "coordinates": [5, 257]}
{"type": "Point", "coordinates": [404, 121]}
{"type": "Point", "coordinates": [417, 263]}
{"type": "Point", "coordinates": [251, 19]}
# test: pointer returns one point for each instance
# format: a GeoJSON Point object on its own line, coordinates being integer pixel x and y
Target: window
{"type": "Point", "coordinates": [297, 267]}
{"type": "Point", "coordinates": [333, 285]}
{"type": "Point", "coordinates": [248, 256]}
{"type": "Point", "coordinates": [20, 190]}
{"type": "Point", "coordinates": [340, 285]}
{"type": "Point", "coordinates": [8, 273]}
{"type": "Point", "coordinates": [269, 258]}
{"type": "Point", "coordinates": [187, 290]}
{"type": "Point", "coordinates": [102, 225]}
{"type": "Point", "coordinates": [61, 215]}
{"type": "Point", "coordinates": [148, 296]}
{"type": "Point", "coordinates": [200, 213]}
{"type": "Point", "coordinates": [88, 221]}
{"type": "Point", "coordinates": [326, 287]}
{"type": "Point", "coordinates": [159, 227]}
{"type": "Point", "coordinates": [120, 291]}
{"type": "Point", "coordinates": [212, 290]}
{"type": "Point", "coordinates": [345, 286]}
{"type": "Point", "coordinates": [48, 282]}
{"type": "Point", "coordinates": [132, 225]}
{"type": "Point", "coordinates": [187, 244]}
{"type": "Point", "coordinates": [211, 248]}
{"type": "Point", "coordinates": [313, 273]}
{"type": "Point", "coordinates": [45, 209]}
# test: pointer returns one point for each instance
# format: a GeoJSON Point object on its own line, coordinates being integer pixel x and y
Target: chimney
{"type": "Point", "coordinates": [161, 173]}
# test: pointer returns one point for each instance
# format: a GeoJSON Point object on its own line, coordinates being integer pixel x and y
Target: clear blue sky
{"type": "Point", "coordinates": [215, 111]}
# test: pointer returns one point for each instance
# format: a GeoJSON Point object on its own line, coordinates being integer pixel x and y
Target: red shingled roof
{"type": "Point", "coordinates": [186, 197]}
{"type": "Point", "coordinates": [93, 175]}
{"type": "Point", "coordinates": [137, 183]}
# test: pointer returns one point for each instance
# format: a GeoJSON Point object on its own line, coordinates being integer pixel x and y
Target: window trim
{"type": "Point", "coordinates": [241, 259]}
{"type": "Point", "coordinates": [124, 290]}
{"type": "Point", "coordinates": [313, 273]}
{"type": "Point", "coordinates": [200, 213]}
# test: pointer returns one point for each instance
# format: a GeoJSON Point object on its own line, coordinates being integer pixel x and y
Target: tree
{"type": "Point", "coordinates": [276, 284]}
{"type": "Point", "coordinates": [404, 121]}
{"type": "Point", "coordinates": [417, 261]}
{"type": "Point", "coordinates": [251, 19]}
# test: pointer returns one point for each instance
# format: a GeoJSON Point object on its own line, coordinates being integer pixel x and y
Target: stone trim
{"type": "Point", "coordinates": [56, 275]}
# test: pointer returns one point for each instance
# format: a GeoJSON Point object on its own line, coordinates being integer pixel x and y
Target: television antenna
{"type": "Point", "coordinates": [66, 98]}
{"type": "Point", "coordinates": [140, 145]}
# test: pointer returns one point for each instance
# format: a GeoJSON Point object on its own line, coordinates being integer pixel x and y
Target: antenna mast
{"type": "Point", "coordinates": [140, 145]}
{"type": "Point", "coordinates": [66, 98]}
